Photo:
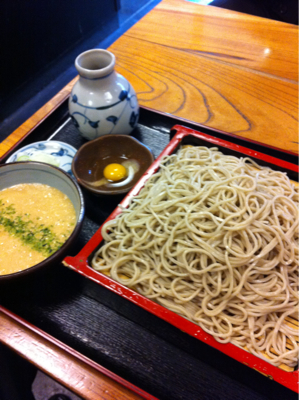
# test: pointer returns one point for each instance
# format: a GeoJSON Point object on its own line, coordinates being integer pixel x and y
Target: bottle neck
{"type": "Point", "coordinates": [99, 82]}
{"type": "Point", "coordinates": [95, 64]}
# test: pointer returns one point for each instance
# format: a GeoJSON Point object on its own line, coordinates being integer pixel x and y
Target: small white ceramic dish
{"type": "Point", "coordinates": [51, 152]}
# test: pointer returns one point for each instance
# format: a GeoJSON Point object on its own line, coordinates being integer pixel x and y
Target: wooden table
{"type": "Point", "coordinates": [219, 68]}
{"type": "Point", "coordinates": [227, 70]}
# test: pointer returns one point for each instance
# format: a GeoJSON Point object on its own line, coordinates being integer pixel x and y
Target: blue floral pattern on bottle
{"type": "Point", "coordinates": [112, 119]}
{"type": "Point", "coordinates": [102, 104]}
{"type": "Point", "coordinates": [123, 95]}
{"type": "Point", "coordinates": [133, 119]}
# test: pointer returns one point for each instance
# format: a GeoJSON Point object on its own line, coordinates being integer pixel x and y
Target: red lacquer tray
{"type": "Point", "coordinates": [80, 263]}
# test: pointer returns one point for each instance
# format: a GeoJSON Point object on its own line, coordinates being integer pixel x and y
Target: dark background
{"type": "Point", "coordinates": [39, 41]}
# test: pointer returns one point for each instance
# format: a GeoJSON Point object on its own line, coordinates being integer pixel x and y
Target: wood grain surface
{"type": "Point", "coordinates": [223, 69]}
{"type": "Point", "coordinates": [79, 374]}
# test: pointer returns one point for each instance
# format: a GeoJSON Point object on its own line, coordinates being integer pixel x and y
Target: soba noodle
{"type": "Point", "coordinates": [214, 238]}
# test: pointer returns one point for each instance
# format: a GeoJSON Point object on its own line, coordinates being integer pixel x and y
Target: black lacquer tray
{"type": "Point", "coordinates": [115, 333]}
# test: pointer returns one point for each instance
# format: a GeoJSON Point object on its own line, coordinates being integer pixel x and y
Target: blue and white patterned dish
{"type": "Point", "coordinates": [51, 152]}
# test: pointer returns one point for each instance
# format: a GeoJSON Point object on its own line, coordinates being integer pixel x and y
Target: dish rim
{"type": "Point", "coordinates": [47, 143]}
{"type": "Point", "coordinates": [96, 190]}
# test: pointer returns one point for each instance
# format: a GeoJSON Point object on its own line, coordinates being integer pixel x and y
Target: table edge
{"type": "Point", "coordinates": [33, 344]}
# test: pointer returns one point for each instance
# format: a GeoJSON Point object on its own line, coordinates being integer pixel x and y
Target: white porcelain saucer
{"type": "Point", "coordinates": [51, 152]}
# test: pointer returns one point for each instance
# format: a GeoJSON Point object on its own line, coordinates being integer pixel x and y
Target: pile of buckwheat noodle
{"type": "Point", "coordinates": [214, 238]}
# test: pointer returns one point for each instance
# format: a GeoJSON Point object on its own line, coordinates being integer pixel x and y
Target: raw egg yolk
{"type": "Point", "coordinates": [115, 172]}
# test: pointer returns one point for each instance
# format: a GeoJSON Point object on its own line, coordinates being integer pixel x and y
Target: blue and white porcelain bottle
{"type": "Point", "coordinates": [102, 101]}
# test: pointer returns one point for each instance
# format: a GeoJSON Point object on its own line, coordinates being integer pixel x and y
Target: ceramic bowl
{"type": "Point", "coordinates": [51, 152]}
{"type": "Point", "coordinates": [91, 159]}
{"type": "Point", "coordinates": [34, 172]}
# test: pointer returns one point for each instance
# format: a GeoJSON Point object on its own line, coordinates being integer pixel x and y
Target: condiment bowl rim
{"type": "Point", "coordinates": [98, 191]}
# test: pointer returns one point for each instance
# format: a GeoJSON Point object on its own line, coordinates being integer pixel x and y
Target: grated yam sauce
{"type": "Point", "coordinates": [35, 221]}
